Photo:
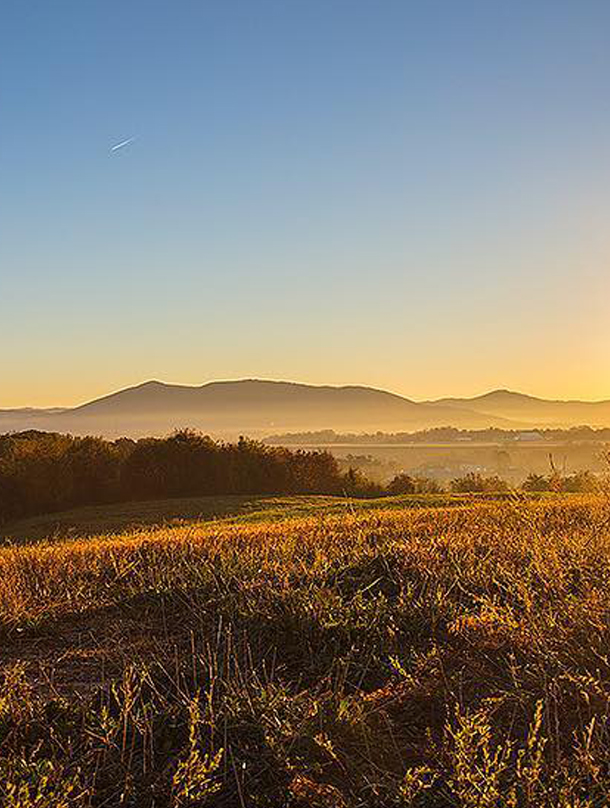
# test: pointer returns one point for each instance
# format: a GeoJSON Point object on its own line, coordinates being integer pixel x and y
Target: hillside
{"type": "Point", "coordinates": [249, 406]}
{"type": "Point", "coordinates": [257, 408]}
{"type": "Point", "coordinates": [129, 517]}
{"type": "Point", "coordinates": [529, 410]}
{"type": "Point", "coordinates": [444, 657]}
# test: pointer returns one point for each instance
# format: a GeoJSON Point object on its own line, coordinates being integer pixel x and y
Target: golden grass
{"type": "Point", "coordinates": [448, 656]}
{"type": "Point", "coordinates": [125, 517]}
{"type": "Point", "coordinates": [51, 578]}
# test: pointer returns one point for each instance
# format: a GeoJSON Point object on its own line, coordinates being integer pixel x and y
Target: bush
{"type": "Point", "coordinates": [405, 484]}
{"type": "Point", "coordinates": [475, 483]}
{"type": "Point", "coordinates": [581, 482]}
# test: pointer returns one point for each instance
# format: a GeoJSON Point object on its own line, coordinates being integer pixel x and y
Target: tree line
{"type": "Point", "coordinates": [44, 472]}
{"type": "Point", "coordinates": [445, 434]}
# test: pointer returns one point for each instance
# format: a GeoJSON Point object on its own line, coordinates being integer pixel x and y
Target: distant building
{"type": "Point", "coordinates": [529, 436]}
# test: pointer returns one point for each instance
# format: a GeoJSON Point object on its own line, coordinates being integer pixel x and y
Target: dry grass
{"type": "Point", "coordinates": [126, 517]}
{"type": "Point", "coordinates": [440, 657]}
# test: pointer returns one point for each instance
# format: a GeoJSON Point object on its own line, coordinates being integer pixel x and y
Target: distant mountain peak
{"type": "Point", "coordinates": [261, 406]}
{"type": "Point", "coordinates": [150, 383]}
{"type": "Point", "coordinates": [503, 392]}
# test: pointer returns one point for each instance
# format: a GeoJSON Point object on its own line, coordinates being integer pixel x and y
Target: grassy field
{"type": "Point", "coordinates": [306, 652]}
{"type": "Point", "coordinates": [178, 512]}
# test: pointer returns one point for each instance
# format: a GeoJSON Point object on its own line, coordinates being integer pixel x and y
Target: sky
{"type": "Point", "coordinates": [408, 195]}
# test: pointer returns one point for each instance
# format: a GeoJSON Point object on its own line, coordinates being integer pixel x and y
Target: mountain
{"type": "Point", "coordinates": [14, 419]}
{"type": "Point", "coordinates": [257, 408]}
{"type": "Point", "coordinates": [528, 410]}
{"type": "Point", "coordinates": [251, 407]}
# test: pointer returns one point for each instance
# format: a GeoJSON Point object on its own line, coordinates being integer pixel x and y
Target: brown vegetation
{"type": "Point", "coordinates": [449, 657]}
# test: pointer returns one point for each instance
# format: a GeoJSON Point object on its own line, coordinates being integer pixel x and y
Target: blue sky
{"type": "Point", "coordinates": [408, 195]}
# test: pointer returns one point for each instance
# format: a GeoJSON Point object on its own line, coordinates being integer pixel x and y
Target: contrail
{"type": "Point", "coordinates": [123, 143]}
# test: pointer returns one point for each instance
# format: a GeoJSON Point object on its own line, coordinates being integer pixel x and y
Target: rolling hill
{"type": "Point", "coordinates": [256, 408]}
{"type": "Point", "coordinates": [252, 407]}
{"type": "Point", "coordinates": [532, 411]}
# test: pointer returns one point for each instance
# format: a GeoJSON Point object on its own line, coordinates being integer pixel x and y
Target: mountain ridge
{"type": "Point", "coordinates": [539, 411]}
{"type": "Point", "coordinates": [257, 406]}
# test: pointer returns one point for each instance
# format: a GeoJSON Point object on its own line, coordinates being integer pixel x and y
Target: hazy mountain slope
{"type": "Point", "coordinates": [26, 417]}
{"type": "Point", "coordinates": [253, 407]}
{"type": "Point", "coordinates": [530, 410]}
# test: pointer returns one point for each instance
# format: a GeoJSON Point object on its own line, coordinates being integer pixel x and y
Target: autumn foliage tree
{"type": "Point", "coordinates": [42, 472]}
